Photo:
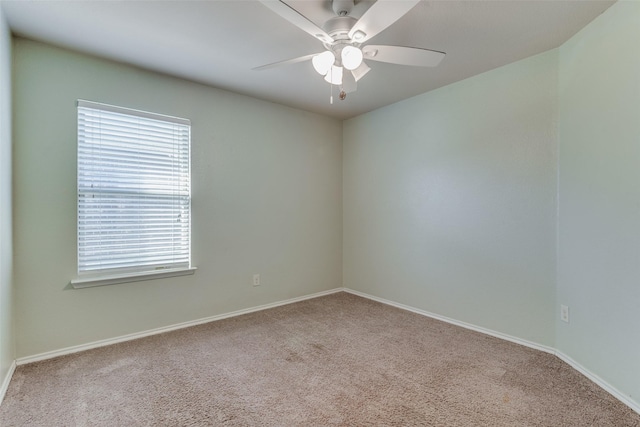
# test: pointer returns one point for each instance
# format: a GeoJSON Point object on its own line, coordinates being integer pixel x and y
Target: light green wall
{"type": "Point", "coordinates": [450, 200]}
{"type": "Point", "coordinates": [599, 197]}
{"type": "Point", "coordinates": [267, 184]}
{"type": "Point", "coordinates": [7, 350]}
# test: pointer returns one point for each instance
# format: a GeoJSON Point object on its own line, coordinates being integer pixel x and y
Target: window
{"type": "Point", "coordinates": [134, 195]}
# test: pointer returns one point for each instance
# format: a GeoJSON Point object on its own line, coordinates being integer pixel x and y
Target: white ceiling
{"type": "Point", "coordinates": [219, 42]}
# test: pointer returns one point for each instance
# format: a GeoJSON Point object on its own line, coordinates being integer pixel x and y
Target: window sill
{"type": "Point", "coordinates": [89, 282]}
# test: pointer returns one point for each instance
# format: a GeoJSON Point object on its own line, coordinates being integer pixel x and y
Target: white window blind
{"type": "Point", "coordinates": [134, 191]}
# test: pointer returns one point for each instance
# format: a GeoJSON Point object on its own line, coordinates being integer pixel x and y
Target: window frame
{"type": "Point", "coordinates": [109, 276]}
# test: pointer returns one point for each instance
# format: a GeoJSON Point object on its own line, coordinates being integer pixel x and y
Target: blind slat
{"type": "Point", "coordinates": [134, 190]}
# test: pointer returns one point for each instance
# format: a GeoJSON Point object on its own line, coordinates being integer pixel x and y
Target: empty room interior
{"type": "Point", "coordinates": [447, 234]}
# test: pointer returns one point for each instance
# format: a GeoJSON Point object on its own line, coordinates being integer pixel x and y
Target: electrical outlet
{"type": "Point", "coordinates": [256, 280]}
{"type": "Point", "coordinates": [564, 313]}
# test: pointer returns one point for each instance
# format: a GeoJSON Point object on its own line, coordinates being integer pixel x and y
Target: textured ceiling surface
{"type": "Point", "coordinates": [218, 43]}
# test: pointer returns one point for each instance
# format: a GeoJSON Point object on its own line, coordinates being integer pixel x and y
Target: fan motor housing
{"type": "Point", "coordinates": [339, 27]}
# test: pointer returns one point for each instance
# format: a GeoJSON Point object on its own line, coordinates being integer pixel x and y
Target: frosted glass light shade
{"type": "Point", "coordinates": [334, 76]}
{"type": "Point", "coordinates": [351, 57]}
{"type": "Point", "coordinates": [322, 63]}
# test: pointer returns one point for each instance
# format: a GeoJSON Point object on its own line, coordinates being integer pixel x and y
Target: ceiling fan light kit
{"type": "Point", "coordinates": [323, 62]}
{"type": "Point", "coordinates": [351, 57]}
{"type": "Point", "coordinates": [342, 63]}
{"type": "Point", "coordinates": [327, 65]}
{"type": "Point", "coordinates": [334, 76]}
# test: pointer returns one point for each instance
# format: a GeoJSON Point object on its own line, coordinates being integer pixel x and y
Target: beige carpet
{"type": "Point", "coordinates": [338, 360]}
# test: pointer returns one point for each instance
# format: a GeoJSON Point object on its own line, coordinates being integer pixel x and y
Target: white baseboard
{"type": "Point", "coordinates": [7, 380]}
{"type": "Point", "coordinates": [129, 337]}
{"type": "Point", "coordinates": [465, 325]}
{"type": "Point", "coordinates": [602, 383]}
{"type": "Point", "coordinates": [635, 406]}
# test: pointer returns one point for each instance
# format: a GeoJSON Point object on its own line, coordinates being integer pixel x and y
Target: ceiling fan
{"type": "Point", "coordinates": [344, 39]}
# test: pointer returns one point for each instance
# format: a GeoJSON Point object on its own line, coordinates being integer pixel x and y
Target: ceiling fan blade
{"type": "Point", "coordinates": [403, 55]}
{"type": "Point", "coordinates": [378, 17]}
{"type": "Point", "coordinates": [349, 83]}
{"type": "Point", "coordinates": [286, 62]}
{"type": "Point", "coordinates": [360, 72]}
{"type": "Point", "coordinates": [297, 19]}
